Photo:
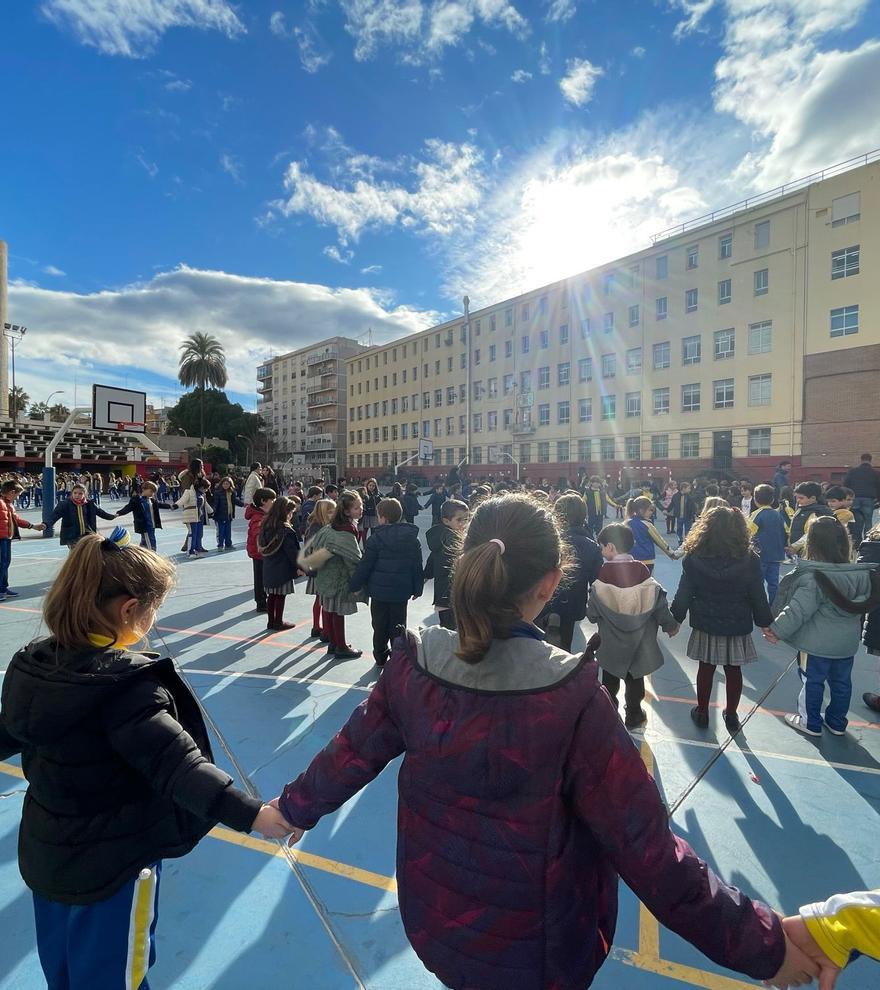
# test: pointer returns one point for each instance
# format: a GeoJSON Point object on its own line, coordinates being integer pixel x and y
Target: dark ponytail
{"type": "Point", "coordinates": [489, 580]}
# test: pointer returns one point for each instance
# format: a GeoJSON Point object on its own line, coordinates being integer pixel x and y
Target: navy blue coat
{"type": "Point", "coordinates": [221, 506]}
{"type": "Point", "coordinates": [391, 567]}
{"type": "Point", "coordinates": [869, 552]}
{"type": "Point", "coordinates": [570, 600]}
{"type": "Point", "coordinates": [136, 507]}
{"type": "Point", "coordinates": [280, 567]}
{"type": "Point", "coordinates": [66, 512]}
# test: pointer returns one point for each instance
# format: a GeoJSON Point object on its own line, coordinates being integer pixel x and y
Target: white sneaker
{"type": "Point", "coordinates": [796, 722]}
{"type": "Point", "coordinates": [836, 732]}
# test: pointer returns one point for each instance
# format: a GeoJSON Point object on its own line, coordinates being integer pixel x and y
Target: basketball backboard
{"type": "Point", "coordinates": [120, 409]}
{"type": "Point", "coordinates": [426, 449]}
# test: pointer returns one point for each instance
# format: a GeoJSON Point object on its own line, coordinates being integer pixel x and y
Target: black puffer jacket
{"type": "Point", "coordinates": [724, 595]}
{"type": "Point", "coordinates": [801, 517]}
{"type": "Point", "coordinates": [118, 766]}
{"type": "Point", "coordinates": [280, 567]}
{"type": "Point", "coordinates": [443, 543]}
{"type": "Point", "coordinates": [570, 600]}
{"type": "Point", "coordinates": [869, 553]}
{"type": "Point", "coordinates": [391, 567]}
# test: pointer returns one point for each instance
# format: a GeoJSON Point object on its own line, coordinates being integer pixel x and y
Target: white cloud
{"type": "Point", "coordinates": [521, 76]}
{"type": "Point", "coordinates": [444, 190]}
{"type": "Point", "coordinates": [308, 42]}
{"type": "Point", "coordinates": [638, 52]}
{"type": "Point", "coordinates": [371, 270]}
{"type": "Point", "coordinates": [52, 270]}
{"type": "Point", "coordinates": [342, 257]}
{"type": "Point", "coordinates": [133, 29]}
{"type": "Point", "coordinates": [695, 11]}
{"type": "Point", "coordinates": [561, 10]}
{"type": "Point", "coordinates": [277, 25]}
{"type": "Point", "coordinates": [423, 31]}
{"type": "Point", "coordinates": [544, 59]}
{"type": "Point", "coordinates": [579, 80]}
{"type": "Point", "coordinates": [151, 168]}
{"type": "Point", "coordinates": [249, 316]}
{"type": "Point", "coordinates": [231, 166]}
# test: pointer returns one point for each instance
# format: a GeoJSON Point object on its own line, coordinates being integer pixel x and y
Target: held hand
{"type": "Point", "coordinates": [295, 833]}
{"type": "Point", "coordinates": [797, 969]}
{"type": "Point", "coordinates": [40, 527]}
{"type": "Point", "coordinates": [798, 933]}
{"type": "Point", "coordinates": [770, 636]}
{"type": "Point", "coordinates": [673, 631]}
{"type": "Point", "coordinates": [271, 824]}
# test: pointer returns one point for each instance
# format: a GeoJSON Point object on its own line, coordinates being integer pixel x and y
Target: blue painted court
{"type": "Point", "coordinates": [787, 818]}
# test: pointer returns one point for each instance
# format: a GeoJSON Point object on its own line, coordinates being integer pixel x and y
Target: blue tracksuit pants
{"type": "Point", "coordinates": [109, 945]}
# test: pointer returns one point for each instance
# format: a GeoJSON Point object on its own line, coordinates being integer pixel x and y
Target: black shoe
{"type": "Point", "coordinates": [636, 719]}
{"type": "Point", "coordinates": [700, 717]}
{"type": "Point", "coordinates": [261, 608]}
{"type": "Point", "coordinates": [731, 720]}
{"type": "Point", "coordinates": [324, 637]}
{"type": "Point", "coordinates": [872, 701]}
{"type": "Point", "coordinates": [380, 660]}
{"type": "Point", "coordinates": [344, 653]}
{"type": "Point", "coordinates": [280, 626]}
{"type": "Point", "coordinates": [315, 634]}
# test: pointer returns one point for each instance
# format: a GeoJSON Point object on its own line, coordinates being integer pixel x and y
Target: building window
{"type": "Point", "coordinates": [606, 448]}
{"type": "Point", "coordinates": [725, 246]}
{"type": "Point", "coordinates": [544, 414]}
{"type": "Point", "coordinates": [525, 381]}
{"type": "Point", "coordinates": [661, 401]}
{"type": "Point", "coordinates": [609, 365]}
{"type": "Point", "coordinates": [585, 328]}
{"type": "Point", "coordinates": [725, 344]}
{"type": "Point", "coordinates": [634, 316]}
{"type": "Point", "coordinates": [525, 453]}
{"type": "Point", "coordinates": [542, 304]}
{"type": "Point", "coordinates": [493, 352]}
{"type": "Point", "coordinates": [844, 321]}
{"type": "Point", "coordinates": [762, 282]}
{"type": "Point", "coordinates": [584, 449]}
{"type": "Point", "coordinates": [723, 394]}
{"type": "Point", "coordinates": [450, 395]}
{"type": "Point", "coordinates": [608, 322]}
{"type": "Point", "coordinates": [508, 317]}
{"type": "Point", "coordinates": [563, 413]}
{"type": "Point", "coordinates": [845, 209]}
{"type": "Point", "coordinates": [691, 350]}
{"type": "Point", "coordinates": [609, 407]}
{"type": "Point", "coordinates": [508, 418]}
{"type": "Point", "coordinates": [477, 455]}
{"type": "Point", "coordinates": [478, 422]}
{"type": "Point", "coordinates": [544, 452]}
{"type": "Point", "coordinates": [690, 445]}
{"type": "Point", "coordinates": [562, 449]}
{"type": "Point", "coordinates": [585, 410]}
{"type": "Point", "coordinates": [492, 421]}
{"type": "Point", "coordinates": [662, 355]}
{"type": "Point", "coordinates": [525, 312]}
{"type": "Point", "coordinates": [724, 291]}
{"type": "Point", "coordinates": [690, 300]}
{"type": "Point", "coordinates": [660, 445]}
{"type": "Point", "coordinates": [476, 357]}
{"type": "Point", "coordinates": [662, 266]}
{"type": "Point", "coordinates": [607, 283]}
{"type": "Point", "coordinates": [759, 442]}
{"type": "Point", "coordinates": [760, 390]}
{"type": "Point", "coordinates": [690, 397]}
{"type": "Point", "coordinates": [507, 384]}
{"type": "Point", "coordinates": [493, 388]}
{"type": "Point", "coordinates": [438, 397]}
{"type": "Point", "coordinates": [634, 360]}
{"type": "Point", "coordinates": [632, 447]}
{"type": "Point", "coordinates": [762, 235]}
{"type": "Point", "coordinates": [563, 334]}
{"type": "Point", "coordinates": [478, 391]}
{"type": "Point", "coordinates": [585, 369]}
{"type": "Point", "coordinates": [564, 372]}
{"type": "Point", "coordinates": [633, 404]}
{"type": "Point", "coordinates": [693, 256]}
{"type": "Point", "coordinates": [662, 308]}
{"type": "Point", "coordinates": [544, 339]}
{"type": "Point", "coordinates": [845, 262]}
{"type": "Point", "coordinates": [761, 337]}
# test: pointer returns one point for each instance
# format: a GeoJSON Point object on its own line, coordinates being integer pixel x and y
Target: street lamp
{"type": "Point", "coordinates": [59, 391]}
{"type": "Point", "coordinates": [15, 333]}
{"type": "Point", "coordinates": [250, 447]}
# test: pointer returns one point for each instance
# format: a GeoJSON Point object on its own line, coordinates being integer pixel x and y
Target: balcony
{"type": "Point", "coordinates": [321, 400]}
{"type": "Point", "coordinates": [331, 354]}
{"type": "Point", "coordinates": [319, 441]}
{"type": "Point", "coordinates": [265, 384]}
{"type": "Point", "coordinates": [522, 429]}
{"type": "Point", "coordinates": [332, 382]}
{"type": "Point", "coordinates": [264, 371]}
{"type": "Point", "coordinates": [326, 414]}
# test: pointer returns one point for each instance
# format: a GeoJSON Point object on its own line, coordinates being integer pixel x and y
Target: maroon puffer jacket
{"type": "Point", "coordinates": [518, 811]}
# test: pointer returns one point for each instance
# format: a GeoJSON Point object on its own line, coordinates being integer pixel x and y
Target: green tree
{"type": "Point", "coordinates": [38, 410]}
{"type": "Point", "coordinates": [58, 412]}
{"type": "Point", "coordinates": [18, 400]}
{"type": "Point", "coordinates": [202, 363]}
{"type": "Point", "coordinates": [219, 417]}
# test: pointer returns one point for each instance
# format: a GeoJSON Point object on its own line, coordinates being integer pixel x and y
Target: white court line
{"type": "Point", "coordinates": [277, 677]}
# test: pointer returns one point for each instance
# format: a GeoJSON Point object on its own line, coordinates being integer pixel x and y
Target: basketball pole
{"type": "Point", "coordinates": [49, 492]}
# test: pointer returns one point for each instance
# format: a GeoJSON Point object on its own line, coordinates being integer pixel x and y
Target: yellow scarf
{"type": "Point", "coordinates": [123, 639]}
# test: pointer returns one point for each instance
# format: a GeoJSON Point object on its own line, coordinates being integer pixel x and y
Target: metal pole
{"type": "Point", "coordinates": [467, 405]}
{"type": "Point", "coordinates": [14, 394]}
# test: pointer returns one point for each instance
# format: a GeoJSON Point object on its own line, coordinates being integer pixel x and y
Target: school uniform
{"type": "Point", "coordinates": [646, 539]}
{"type": "Point", "coordinates": [145, 518]}
{"type": "Point", "coordinates": [255, 517]}
{"type": "Point", "coordinates": [224, 513]}
{"type": "Point", "coordinates": [77, 520]}
{"type": "Point", "coordinates": [683, 510]}
{"type": "Point", "coordinates": [769, 538]}
{"type": "Point", "coordinates": [597, 508]}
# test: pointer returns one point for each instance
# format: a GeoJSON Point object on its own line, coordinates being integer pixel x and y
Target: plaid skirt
{"type": "Point", "coordinates": [731, 651]}
{"type": "Point", "coordinates": [285, 589]}
{"type": "Point", "coordinates": [338, 604]}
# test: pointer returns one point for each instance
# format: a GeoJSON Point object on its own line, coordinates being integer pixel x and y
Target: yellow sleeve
{"type": "Point", "coordinates": [844, 924]}
{"type": "Point", "coordinates": [658, 539]}
{"type": "Point", "coordinates": [750, 522]}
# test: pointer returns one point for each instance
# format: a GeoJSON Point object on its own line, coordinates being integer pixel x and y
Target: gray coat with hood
{"type": "Point", "coordinates": [809, 621]}
{"type": "Point", "coordinates": [628, 619]}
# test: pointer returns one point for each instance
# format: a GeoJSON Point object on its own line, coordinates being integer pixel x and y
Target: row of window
{"type": "Point", "coordinates": [604, 449]}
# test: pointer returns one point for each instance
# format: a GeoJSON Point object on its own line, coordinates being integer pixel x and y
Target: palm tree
{"type": "Point", "coordinates": [58, 412]}
{"type": "Point", "coordinates": [38, 410]}
{"type": "Point", "coordinates": [18, 400]}
{"type": "Point", "coordinates": [202, 363]}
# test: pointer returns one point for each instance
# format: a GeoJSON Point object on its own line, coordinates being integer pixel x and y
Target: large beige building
{"type": "Point", "coordinates": [735, 340]}
{"type": "Point", "coordinates": [302, 398]}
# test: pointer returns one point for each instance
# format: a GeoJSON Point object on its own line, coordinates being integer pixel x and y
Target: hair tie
{"type": "Point", "coordinates": [118, 538]}
{"type": "Point", "coordinates": [499, 542]}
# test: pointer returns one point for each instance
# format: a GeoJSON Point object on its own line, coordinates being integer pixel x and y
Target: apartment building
{"type": "Point", "coordinates": [302, 398]}
{"type": "Point", "coordinates": [733, 341]}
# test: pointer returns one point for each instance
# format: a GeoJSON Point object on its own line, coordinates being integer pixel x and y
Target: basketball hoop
{"type": "Point", "coordinates": [124, 426]}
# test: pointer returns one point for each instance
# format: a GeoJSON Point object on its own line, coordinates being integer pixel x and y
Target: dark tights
{"type": "Point", "coordinates": [316, 614]}
{"type": "Point", "coordinates": [734, 681]}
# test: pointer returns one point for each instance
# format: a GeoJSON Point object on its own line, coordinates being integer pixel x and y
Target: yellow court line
{"type": "Point", "coordinates": [649, 929]}
{"type": "Point", "coordinates": [676, 971]}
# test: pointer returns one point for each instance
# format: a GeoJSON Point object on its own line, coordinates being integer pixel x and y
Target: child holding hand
{"type": "Point", "coordinates": [118, 764]}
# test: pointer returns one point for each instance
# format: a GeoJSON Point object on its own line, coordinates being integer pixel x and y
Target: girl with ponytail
{"type": "Point", "coordinates": [118, 764]}
{"type": "Point", "coordinates": [521, 796]}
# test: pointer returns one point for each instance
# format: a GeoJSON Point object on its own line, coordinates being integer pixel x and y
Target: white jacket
{"type": "Point", "coordinates": [254, 481]}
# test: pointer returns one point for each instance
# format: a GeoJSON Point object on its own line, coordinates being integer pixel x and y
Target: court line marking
{"type": "Point", "coordinates": [280, 677]}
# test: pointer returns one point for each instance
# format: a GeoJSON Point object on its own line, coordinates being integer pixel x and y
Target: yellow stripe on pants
{"type": "Point", "coordinates": [139, 931]}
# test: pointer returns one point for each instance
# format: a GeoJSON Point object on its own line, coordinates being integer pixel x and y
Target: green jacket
{"type": "Point", "coordinates": [331, 581]}
{"type": "Point", "coordinates": [808, 620]}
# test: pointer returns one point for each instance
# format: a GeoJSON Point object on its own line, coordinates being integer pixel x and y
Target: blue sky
{"type": "Point", "coordinates": [278, 173]}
